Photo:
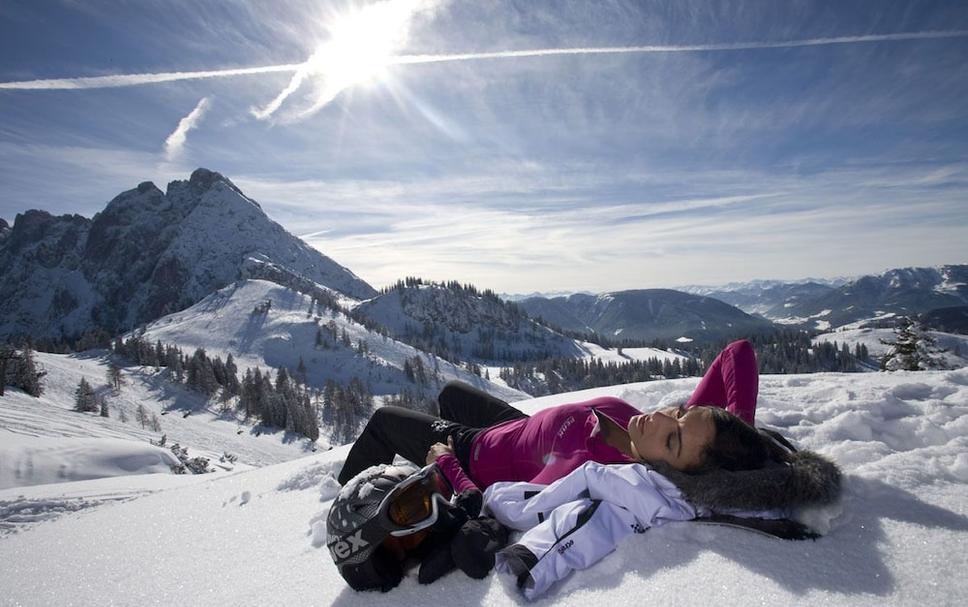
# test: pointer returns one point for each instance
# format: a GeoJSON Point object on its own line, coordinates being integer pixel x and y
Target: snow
{"type": "Point", "coordinates": [256, 537]}
{"type": "Point", "coordinates": [821, 325]}
{"type": "Point", "coordinates": [23, 507]}
{"type": "Point", "coordinates": [879, 315]}
{"type": "Point", "coordinates": [204, 431]}
{"type": "Point", "coordinates": [611, 355]}
{"type": "Point", "coordinates": [35, 460]}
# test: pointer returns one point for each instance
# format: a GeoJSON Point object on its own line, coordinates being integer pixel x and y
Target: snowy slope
{"type": "Point", "coordinates": [255, 537]}
{"type": "Point", "coordinates": [39, 460]}
{"type": "Point", "coordinates": [205, 432]}
{"type": "Point", "coordinates": [224, 323]}
{"type": "Point", "coordinates": [611, 355]}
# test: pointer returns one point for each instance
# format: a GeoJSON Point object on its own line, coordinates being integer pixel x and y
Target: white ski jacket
{"type": "Point", "coordinates": [580, 518]}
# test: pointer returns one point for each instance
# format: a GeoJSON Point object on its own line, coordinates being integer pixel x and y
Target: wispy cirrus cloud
{"type": "Point", "coordinates": [757, 225]}
{"type": "Point", "coordinates": [176, 141]}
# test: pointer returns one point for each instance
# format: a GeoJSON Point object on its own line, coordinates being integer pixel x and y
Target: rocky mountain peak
{"type": "Point", "coordinates": [211, 188]}
{"type": "Point", "coordinates": [204, 178]}
{"type": "Point", "coordinates": [148, 253]}
{"type": "Point", "coordinates": [34, 226]}
{"type": "Point", "coordinates": [146, 186]}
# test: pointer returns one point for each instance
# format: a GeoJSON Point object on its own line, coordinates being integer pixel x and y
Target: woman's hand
{"type": "Point", "coordinates": [438, 449]}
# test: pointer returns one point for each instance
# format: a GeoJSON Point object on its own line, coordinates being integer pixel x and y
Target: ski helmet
{"type": "Point", "coordinates": [355, 531]}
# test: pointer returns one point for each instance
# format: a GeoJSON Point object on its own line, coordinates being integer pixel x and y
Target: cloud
{"type": "Point", "coordinates": [176, 141]}
{"type": "Point", "coordinates": [729, 225]}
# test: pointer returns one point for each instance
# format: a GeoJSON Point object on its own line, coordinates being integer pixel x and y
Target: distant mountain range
{"type": "Point", "coordinates": [151, 253]}
{"type": "Point", "coordinates": [904, 291]}
{"type": "Point", "coordinates": [815, 305]}
{"type": "Point", "coordinates": [647, 314]}
{"type": "Point", "coordinates": [770, 299]}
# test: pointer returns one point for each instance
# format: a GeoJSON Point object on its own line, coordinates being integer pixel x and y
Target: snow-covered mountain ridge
{"type": "Point", "coordinates": [257, 537]}
{"type": "Point", "coordinates": [291, 329]}
{"type": "Point", "coordinates": [462, 324]}
{"type": "Point", "coordinates": [147, 254]}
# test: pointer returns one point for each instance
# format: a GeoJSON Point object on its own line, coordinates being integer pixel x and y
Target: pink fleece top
{"type": "Point", "coordinates": [541, 448]}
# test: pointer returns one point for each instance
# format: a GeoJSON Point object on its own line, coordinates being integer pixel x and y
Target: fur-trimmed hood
{"type": "Point", "coordinates": [809, 479]}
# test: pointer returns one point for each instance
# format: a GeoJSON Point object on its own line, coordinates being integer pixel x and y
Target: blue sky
{"type": "Point", "coordinates": [760, 140]}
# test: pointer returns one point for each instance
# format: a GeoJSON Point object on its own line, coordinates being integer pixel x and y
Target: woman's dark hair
{"type": "Point", "coordinates": [738, 446]}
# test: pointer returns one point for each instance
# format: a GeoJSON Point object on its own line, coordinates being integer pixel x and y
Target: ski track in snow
{"type": "Point", "coordinates": [19, 514]}
{"type": "Point", "coordinates": [898, 536]}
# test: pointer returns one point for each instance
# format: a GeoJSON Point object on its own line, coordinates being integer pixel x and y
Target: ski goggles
{"type": "Point", "coordinates": [415, 503]}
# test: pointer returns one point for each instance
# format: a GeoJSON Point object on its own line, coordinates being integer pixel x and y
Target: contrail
{"type": "Point", "coordinates": [119, 80]}
{"type": "Point", "coordinates": [138, 79]}
{"type": "Point", "coordinates": [176, 141]}
{"type": "Point", "coordinates": [693, 48]}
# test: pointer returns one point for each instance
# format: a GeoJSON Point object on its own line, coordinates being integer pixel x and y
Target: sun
{"type": "Point", "coordinates": [361, 46]}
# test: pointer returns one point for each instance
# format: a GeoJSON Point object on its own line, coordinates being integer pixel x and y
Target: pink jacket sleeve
{"type": "Point", "coordinates": [450, 466]}
{"type": "Point", "coordinates": [731, 382]}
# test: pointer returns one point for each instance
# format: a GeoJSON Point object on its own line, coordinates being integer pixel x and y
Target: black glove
{"type": "Point", "coordinates": [474, 546]}
{"type": "Point", "coordinates": [471, 502]}
{"type": "Point", "coordinates": [436, 563]}
{"type": "Point", "coordinates": [434, 552]}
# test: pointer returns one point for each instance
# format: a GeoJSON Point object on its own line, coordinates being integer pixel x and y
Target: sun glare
{"type": "Point", "coordinates": [360, 47]}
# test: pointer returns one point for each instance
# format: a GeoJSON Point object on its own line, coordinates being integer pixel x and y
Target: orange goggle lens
{"type": "Point", "coordinates": [411, 507]}
{"type": "Point", "coordinates": [414, 503]}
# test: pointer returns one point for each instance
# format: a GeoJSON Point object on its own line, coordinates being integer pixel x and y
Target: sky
{"type": "Point", "coordinates": [517, 145]}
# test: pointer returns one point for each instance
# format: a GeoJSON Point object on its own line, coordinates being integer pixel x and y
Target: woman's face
{"type": "Point", "coordinates": [676, 436]}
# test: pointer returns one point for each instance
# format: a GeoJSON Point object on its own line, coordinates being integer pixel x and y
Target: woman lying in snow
{"type": "Point", "coordinates": [479, 440]}
{"type": "Point", "coordinates": [700, 448]}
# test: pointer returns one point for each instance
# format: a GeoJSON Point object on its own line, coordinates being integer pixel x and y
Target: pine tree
{"type": "Point", "coordinates": [103, 406]}
{"type": "Point", "coordinates": [84, 398]}
{"type": "Point", "coordinates": [231, 376]}
{"type": "Point", "coordinates": [7, 354]}
{"type": "Point", "coordinates": [28, 377]}
{"type": "Point", "coordinates": [201, 373]}
{"type": "Point", "coordinates": [913, 349]}
{"type": "Point", "coordinates": [141, 414]}
{"type": "Point", "coordinates": [301, 371]}
{"type": "Point", "coordinates": [114, 377]}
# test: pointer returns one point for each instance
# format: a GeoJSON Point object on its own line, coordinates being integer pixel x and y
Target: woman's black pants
{"type": "Point", "coordinates": [464, 411]}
